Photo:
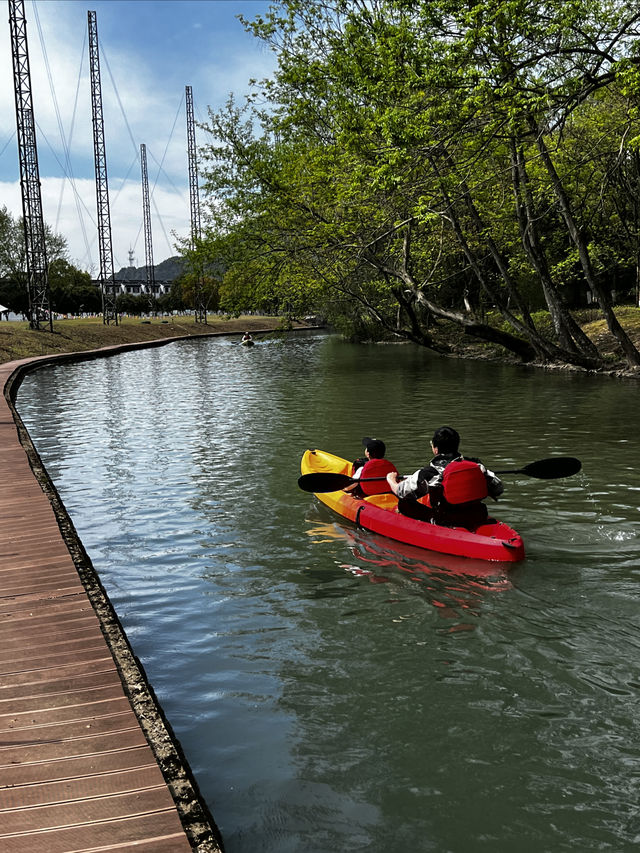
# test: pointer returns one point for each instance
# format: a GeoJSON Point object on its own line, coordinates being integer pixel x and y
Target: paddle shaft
{"type": "Point", "coordinates": [544, 469]}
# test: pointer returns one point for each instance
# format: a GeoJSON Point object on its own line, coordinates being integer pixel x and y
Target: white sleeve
{"type": "Point", "coordinates": [409, 485]}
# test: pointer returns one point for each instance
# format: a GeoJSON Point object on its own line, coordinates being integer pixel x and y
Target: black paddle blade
{"type": "Point", "coordinates": [553, 468]}
{"type": "Point", "coordinates": [319, 482]}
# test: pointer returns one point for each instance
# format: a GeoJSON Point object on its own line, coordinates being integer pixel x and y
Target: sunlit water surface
{"type": "Point", "coordinates": [332, 692]}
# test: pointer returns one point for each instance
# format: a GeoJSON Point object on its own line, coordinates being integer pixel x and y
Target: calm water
{"type": "Point", "coordinates": [333, 693]}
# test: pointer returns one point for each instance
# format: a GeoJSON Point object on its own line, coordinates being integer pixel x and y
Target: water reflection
{"type": "Point", "coordinates": [330, 691]}
{"type": "Point", "coordinates": [453, 585]}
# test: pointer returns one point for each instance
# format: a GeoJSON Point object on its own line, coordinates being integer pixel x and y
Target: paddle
{"type": "Point", "coordinates": [543, 469]}
{"type": "Point", "coordinates": [549, 469]}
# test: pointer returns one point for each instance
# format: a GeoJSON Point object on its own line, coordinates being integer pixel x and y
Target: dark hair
{"type": "Point", "coordinates": [446, 439]}
{"type": "Point", "coordinates": [375, 446]}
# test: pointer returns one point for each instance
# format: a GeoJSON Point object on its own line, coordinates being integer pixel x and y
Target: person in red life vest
{"type": "Point", "coordinates": [373, 465]}
{"type": "Point", "coordinates": [450, 489]}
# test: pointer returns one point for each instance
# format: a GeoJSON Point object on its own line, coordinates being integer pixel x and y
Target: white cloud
{"type": "Point", "coordinates": [150, 68]}
{"type": "Point", "coordinates": [73, 214]}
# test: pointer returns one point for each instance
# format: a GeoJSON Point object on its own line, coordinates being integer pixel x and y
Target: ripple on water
{"type": "Point", "coordinates": [331, 691]}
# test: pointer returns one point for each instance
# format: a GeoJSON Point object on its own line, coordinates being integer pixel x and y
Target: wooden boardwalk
{"type": "Point", "coordinates": [87, 762]}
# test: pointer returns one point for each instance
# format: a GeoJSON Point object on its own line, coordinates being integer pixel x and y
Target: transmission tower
{"type": "Point", "coordinates": [198, 298]}
{"type": "Point", "coordinates": [146, 217]}
{"type": "Point", "coordinates": [33, 221]}
{"type": "Point", "coordinates": [106, 277]}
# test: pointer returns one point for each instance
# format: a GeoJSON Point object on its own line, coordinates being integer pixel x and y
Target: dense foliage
{"type": "Point", "coordinates": [412, 160]}
{"type": "Point", "coordinates": [70, 289]}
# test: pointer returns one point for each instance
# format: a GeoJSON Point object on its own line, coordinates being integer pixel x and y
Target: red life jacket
{"type": "Point", "coordinates": [463, 481]}
{"type": "Point", "coordinates": [376, 468]}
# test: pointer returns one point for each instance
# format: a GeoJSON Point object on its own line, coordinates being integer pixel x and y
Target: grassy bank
{"type": "Point", "coordinates": [17, 340]}
{"type": "Point", "coordinates": [591, 321]}
{"type": "Point", "coordinates": [596, 327]}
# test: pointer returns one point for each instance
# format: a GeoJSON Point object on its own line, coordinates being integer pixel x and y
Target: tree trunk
{"type": "Point", "coordinates": [523, 349]}
{"type": "Point", "coordinates": [568, 332]}
{"type": "Point", "coordinates": [417, 333]}
{"type": "Point", "coordinates": [631, 353]}
{"type": "Point", "coordinates": [525, 329]}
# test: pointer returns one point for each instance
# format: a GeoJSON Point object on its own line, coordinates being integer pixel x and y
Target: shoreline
{"type": "Point", "coordinates": [194, 815]}
{"type": "Point", "coordinates": [615, 372]}
{"type": "Point", "coordinates": [72, 337]}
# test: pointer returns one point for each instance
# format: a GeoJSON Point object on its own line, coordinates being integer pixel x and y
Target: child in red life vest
{"type": "Point", "coordinates": [373, 465]}
{"type": "Point", "coordinates": [450, 497]}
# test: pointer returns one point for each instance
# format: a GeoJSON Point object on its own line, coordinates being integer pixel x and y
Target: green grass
{"type": "Point", "coordinates": [18, 341]}
{"type": "Point", "coordinates": [77, 335]}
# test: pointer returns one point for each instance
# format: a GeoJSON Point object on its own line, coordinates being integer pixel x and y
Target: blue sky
{"type": "Point", "coordinates": [149, 51]}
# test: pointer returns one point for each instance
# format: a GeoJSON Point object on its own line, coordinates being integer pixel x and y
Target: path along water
{"type": "Point", "coordinates": [330, 691]}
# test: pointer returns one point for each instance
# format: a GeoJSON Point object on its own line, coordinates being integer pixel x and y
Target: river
{"type": "Point", "coordinates": [332, 691]}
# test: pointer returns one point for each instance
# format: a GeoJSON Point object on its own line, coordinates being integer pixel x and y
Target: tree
{"type": "Point", "coordinates": [132, 303]}
{"type": "Point", "coordinates": [409, 165]}
{"type": "Point", "coordinates": [13, 263]}
{"type": "Point", "coordinates": [171, 301]}
{"type": "Point", "coordinates": [72, 290]}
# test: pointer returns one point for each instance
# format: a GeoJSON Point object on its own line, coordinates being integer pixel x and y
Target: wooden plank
{"type": "Point", "coordinates": [77, 772]}
{"type": "Point", "coordinates": [156, 831]}
{"type": "Point", "coordinates": [37, 773]}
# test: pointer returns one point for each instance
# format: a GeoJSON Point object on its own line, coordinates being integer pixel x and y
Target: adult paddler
{"type": "Point", "coordinates": [449, 490]}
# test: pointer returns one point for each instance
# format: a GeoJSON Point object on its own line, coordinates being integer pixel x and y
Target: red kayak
{"type": "Point", "coordinates": [494, 540]}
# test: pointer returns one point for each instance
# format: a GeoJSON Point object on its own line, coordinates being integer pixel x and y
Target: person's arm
{"type": "Point", "coordinates": [356, 475]}
{"type": "Point", "coordinates": [358, 467]}
{"type": "Point", "coordinates": [403, 488]}
{"type": "Point", "coordinates": [392, 479]}
{"type": "Point", "coordinates": [495, 486]}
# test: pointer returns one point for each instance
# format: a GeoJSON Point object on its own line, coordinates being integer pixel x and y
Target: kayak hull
{"type": "Point", "coordinates": [493, 541]}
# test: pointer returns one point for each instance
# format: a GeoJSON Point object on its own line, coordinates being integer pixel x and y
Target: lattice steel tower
{"type": "Point", "coordinates": [106, 277]}
{"type": "Point", "coordinates": [198, 298]}
{"type": "Point", "coordinates": [34, 233]}
{"type": "Point", "coordinates": [146, 218]}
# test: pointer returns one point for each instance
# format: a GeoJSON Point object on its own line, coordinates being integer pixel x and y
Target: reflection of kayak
{"type": "Point", "coordinates": [378, 513]}
{"type": "Point", "coordinates": [386, 555]}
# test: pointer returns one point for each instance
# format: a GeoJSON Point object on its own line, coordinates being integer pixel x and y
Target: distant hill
{"type": "Point", "coordinates": [168, 270]}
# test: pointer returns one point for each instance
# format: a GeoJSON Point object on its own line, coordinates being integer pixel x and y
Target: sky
{"type": "Point", "coordinates": [149, 51]}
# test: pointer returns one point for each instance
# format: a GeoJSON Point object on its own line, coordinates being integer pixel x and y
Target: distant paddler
{"type": "Point", "coordinates": [247, 340]}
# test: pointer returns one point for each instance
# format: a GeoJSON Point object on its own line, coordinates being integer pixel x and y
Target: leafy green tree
{"type": "Point", "coordinates": [408, 161]}
{"type": "Point", "coordinates": [173, 300]}
{"type": "Point", "coordinates": [13, 266]}
{"type": "Point", "coordinates": [13, 262]}
{"type": "Point", "coordinates": [71, 289]}
{"type": "Point", "coordinates": [208, 289]}
{"type": "Point", "coordinates": [132, 303]}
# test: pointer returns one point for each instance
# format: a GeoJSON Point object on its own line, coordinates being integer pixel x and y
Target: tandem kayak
{"type": "Point", "coordinates": [494, 540]}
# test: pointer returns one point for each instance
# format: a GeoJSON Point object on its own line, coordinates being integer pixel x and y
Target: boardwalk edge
{"type": "Point", "coordinates": [196, 819]}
